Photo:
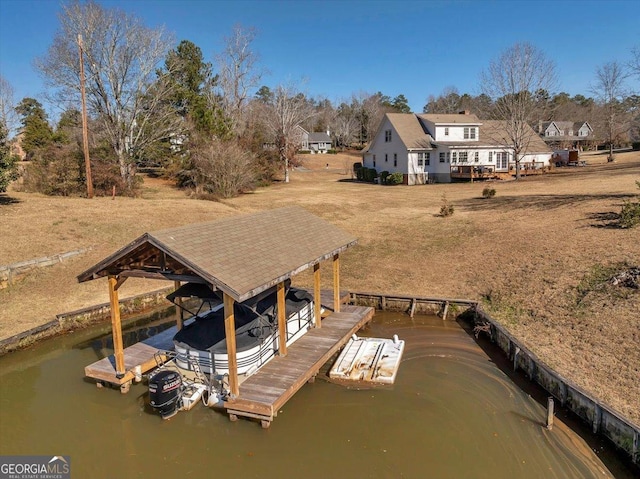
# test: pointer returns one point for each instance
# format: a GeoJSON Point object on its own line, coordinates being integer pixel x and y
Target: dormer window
{"type": "Point", "coordinates": [387, 136]}
{"type": "Point", "coordinates": [446, 131]}
{"type": "Point", "coordinates": [469, 133]}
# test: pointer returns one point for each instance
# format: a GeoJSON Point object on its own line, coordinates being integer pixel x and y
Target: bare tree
{"type": "Point", "coordinates": [609, 91]}
{"type": "Point", "coordinates": [282, 116]}
{"type": "Point", "coordinates": [512, 81]}
{"type": "Point", "coordinates": [634, 63]}
{"type": "Point", "coordinates": [8, 115]}
{"type": "Point", "coordinates": [124, 94]}
{"type": "Point", "coordinates": [239, 73]}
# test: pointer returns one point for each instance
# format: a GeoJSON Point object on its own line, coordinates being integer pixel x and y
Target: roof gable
{"type": "Point", "coordinates": [241, 255]}
{"type": "Point", "coordinates": [410, 130]}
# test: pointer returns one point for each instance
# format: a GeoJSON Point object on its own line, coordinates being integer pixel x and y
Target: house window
{"type": "Point", "coordinates": [442, 157]}
{"type": "Point", "coordinates": [387, 136]}
{"type": "Point", "coordinates": [395, 159]}
{"type": "Point", "coordinates": [448, 157]}
{"type": "Point", "coordinates": [427, 161]}
{"type": "Point", "coordinates": [464, 156]}
{"type": "Point", "coordinates": [420, 159]}
{"type": "Point", "coordinates": [374, 161]}
{"type": "Point", "coordinates": [386, 158]}
{"type": "Point", "coordinates": [454, 158]}
{"type": "Point", "coordinates": [491, 157]}
{"type": "Point", "coordinates": [446, 131]}
{"type": "Point", "coordinates": [469, 133]}
{"type": "Point", "coordinates": [476, 157]}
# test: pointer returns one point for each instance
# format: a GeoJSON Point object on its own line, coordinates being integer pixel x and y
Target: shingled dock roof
{"type": "Point", "coordinates": [241, 255]}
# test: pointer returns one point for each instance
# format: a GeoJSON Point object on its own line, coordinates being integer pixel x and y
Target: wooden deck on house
{"type": "Point", "coordinates": [144, 353]}
{"type": "Point", "coordinates": [264, 393]}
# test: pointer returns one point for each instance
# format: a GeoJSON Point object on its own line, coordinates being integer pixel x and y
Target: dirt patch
{"type": "Point", "coordinates": [533, 254]}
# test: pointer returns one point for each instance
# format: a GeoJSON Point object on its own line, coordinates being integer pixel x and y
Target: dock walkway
{"type": "Point", "coordinates": [264, 393]}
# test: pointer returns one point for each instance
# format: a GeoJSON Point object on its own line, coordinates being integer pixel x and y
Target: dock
{"type": "Point", "coordinates": [144, 353]}
{"type": "Point", "coordinates": [264, 393]}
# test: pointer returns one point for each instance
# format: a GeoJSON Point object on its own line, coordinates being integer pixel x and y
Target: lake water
{"type": "Point", "coordinates": [453, 413]}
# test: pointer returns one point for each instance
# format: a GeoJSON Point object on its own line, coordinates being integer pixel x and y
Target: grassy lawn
{"type": "Point", "coordinates": [538, 253]}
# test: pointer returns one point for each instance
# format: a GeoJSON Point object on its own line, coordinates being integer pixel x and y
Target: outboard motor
{"type": "Point", "coordinates": [165, 389]}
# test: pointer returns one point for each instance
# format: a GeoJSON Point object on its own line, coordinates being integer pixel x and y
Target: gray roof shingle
{"type": "Point", "coordinates": [241, 255]}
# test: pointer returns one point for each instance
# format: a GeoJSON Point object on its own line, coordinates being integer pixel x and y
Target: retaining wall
{"type": "Point", "coordinates": [603, 419]}
{"type": "Point", "coordinates": [9, 273]}
{"type": "Point", "coordinates": [84, 317]}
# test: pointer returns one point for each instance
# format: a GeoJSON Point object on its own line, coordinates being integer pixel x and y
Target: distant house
{"type": "Point", "coordinates": [439, 148]}
{"type": "Point", "coordinates": [316, 142]}
{"type": "Point", "coordinates": [566, 134]}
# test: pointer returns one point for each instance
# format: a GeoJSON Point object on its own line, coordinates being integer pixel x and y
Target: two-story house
{"type": "Point", "coordinates": [437, 148]}
{"type": "Point", "coordinates": [567, 134]}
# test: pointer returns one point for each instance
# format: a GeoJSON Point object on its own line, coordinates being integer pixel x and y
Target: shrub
{"type": "Point", "coordinates": [447, 208]}
{"type": "Point", "coordinates": [630, 214]}
{"type": "Point", "coordinates": [488, 192]}
{"type": "Point", "coordinates": [332, 152]}
{"type": "Point", "coordinates": [395, 178]}
{"type": "Point", "coordinates": [370, 174]}
{"type": "Point", "coordinates": [635, 146]}
{"type": "Point", "coordinates": [304, 152]}
{"type": "Point", "coordinates": [383, 176]}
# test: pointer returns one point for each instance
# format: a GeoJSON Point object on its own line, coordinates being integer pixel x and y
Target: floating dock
{"type": "Point", "coordinates": [369, 360]}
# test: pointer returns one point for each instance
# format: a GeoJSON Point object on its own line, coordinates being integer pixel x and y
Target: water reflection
{"type": "Point", "coordinates": [452, 413]}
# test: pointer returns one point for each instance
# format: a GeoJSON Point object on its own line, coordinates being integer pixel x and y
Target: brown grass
{"type": "Point", "coordinates": [534, 253]}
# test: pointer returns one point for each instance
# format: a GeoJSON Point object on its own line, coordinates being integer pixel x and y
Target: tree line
{"type": "Point", "coordinates": [154, 104]}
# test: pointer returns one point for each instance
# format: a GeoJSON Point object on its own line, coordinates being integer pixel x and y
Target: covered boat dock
{"type": "Point", "coordinates": [240, 256]}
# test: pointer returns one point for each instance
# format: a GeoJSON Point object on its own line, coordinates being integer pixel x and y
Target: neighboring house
{"type": "Point", "coordinates": [568, 134]}
{"type": "Point", "coordinates": [317, 142]}
{"type": "Point", "coordinates": [437, 148]}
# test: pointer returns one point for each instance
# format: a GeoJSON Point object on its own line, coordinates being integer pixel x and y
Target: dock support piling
{"type": "Point", "coordinates": [230, 333]}
{"type": "Point", "coordinates": [317, 301]}
{"type": "Point", "coordinates": [550, 407]}
{"type": "Point", "coordinates": [116, 326]}
{"type": "Point", "coordinates": [282, 321]}
{"type": "Point", "coordinates": [445, 310]}
{"type": "Point", "coordinates": [336, 283]}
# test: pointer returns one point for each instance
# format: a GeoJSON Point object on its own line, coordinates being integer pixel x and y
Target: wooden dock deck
{"type": "Point", "coordinates": [264, 393]}
{"type": "Point", "coordinates": [141, 354]}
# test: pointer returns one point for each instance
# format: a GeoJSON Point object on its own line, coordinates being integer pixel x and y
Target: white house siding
{"type": "Point", "coordinates": [391, 148]}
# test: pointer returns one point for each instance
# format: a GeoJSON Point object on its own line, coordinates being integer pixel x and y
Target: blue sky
{"type": "Point", "coordinates": [335, 48]}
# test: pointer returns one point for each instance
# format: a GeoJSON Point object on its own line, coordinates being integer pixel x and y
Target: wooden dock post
{"type": "Point", "coordinates": [445, 310]}
{"type": "Point", "coordinates": [413, 307]}
{"type": "Point", "coordinates": [282, 321]}
{"type": "Point", "coordinates": [116, 326]}
{"type": "Point", "coordinates": [179, 311]}
{"type": "Point", "coordinates": [336, 283]}
{"type": "Point", "coordinates": [550, 407]}
{"type": "Point", "coordinates": [317, 300]}
{"type": "Point", "coordinates": [230, 333]}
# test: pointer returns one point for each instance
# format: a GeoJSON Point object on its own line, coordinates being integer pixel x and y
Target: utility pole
{"type": "Point", "coordinates": [85, 133]}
